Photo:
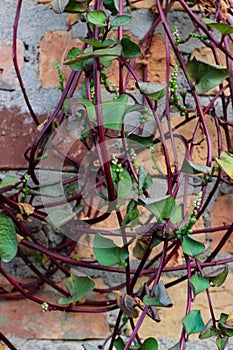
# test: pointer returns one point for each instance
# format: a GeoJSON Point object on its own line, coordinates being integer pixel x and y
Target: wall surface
{"type": "Point", "coordinates": [43, 39]}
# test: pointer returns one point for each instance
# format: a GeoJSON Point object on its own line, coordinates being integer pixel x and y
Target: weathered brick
{"type": "Point", "coordinates": [17, 131]}
{"type": "Point", "coordinates": [24, 319]}
{"type": "Point", "coordinates": [8, 80]}
{"type": "Point", "coordinates": [221, 214]}
{"type": "Point", "coordinates": [54, 47]}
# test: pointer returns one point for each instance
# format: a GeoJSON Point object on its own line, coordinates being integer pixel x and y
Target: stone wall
{"type": "Point", "coordinates": [43, 39]}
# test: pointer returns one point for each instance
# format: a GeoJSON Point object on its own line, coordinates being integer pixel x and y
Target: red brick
{"type": "Point", "coordinates": [24, 319]}
{"type": "Point", "coordinates": [17, 131]}
{"type": "Point", "coordinates": [54, 47]}
{"type": "Point", "coordinates": [221, 214]}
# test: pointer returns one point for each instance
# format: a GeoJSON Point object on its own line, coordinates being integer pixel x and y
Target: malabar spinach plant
{"type": "Point", "coordinates": [137, 166]}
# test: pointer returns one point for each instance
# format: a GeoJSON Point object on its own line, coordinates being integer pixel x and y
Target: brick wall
{"type": "Point", "coordinates": [43, 39]}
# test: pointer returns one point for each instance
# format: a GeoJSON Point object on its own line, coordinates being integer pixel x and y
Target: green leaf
{"type": "Point", "coordinates": [225, 324]}
{"type": "Point", "coordinates": [144, 179]}
{"type": "Point", "coordinates": [132, 213]}
{"type": "Point", "coordinates": [193, 322]}
{"type": "Point", "coordinates": [192, 168]}
{"type": "Point", "coordinates": [114, 112]}
{"type": "Point", "coordinates": [198, 283]}
{"type": "Point", "coordinates": [107, 252]}
{"type": "Point", "coordinates": [90, 108]}
{"type": "Point", "coordinates": [9, 181]}
{"type": "Point", "coordinates": [78, 287]}
{"type": "Point", "coordinates": [177, 346]}
{"type": "Point", "coordinates": [77, 6]}
{"type": "Point", "coordinates": [8, 240]}
{"type": "Point", "coordinates": [114, 51]}
{"type": "Point", "coordinates": [223, 28]}
{"type": "Point", "coordinates": [221, 342]}
{"type": "Point", "coordinates": [98, 18]}
{"type": "Point", "coordinates": [150, 344]}
{"type": "Point", "coordinates": [142, 140]}
{"type": "Point", "coordinates": [154, 90]}
{"type": "Point", "coordinates": [205, 75]}
{"type": "Point", "coordinates": [120, 20]}
{"type": "Point", "coordinates": [226, 163]}
{"type": "Point", "coordinates": [130, 49]}
{"type": "Point", "coordinates": [177, 214]}
{"type": "Point", "coordinates": [119, 344]}
{"type": "Point", "coordinates": [97, 43]}
{"type": "Point", "coordinates": [217, 277]}
{"type": "Point", "coordinates": [191, 246]}
{"type": "Point", "coordinates": [162, 208]}
{"type": "Point", "coordinates": [54, 190]}
{"type": "Point", "coordinates": [161, 297]}
{"type": "Point", "coordinates": [209, 331]}
{"type": "Point", "coordinates": [111, 5]}
{"type": "Point", "coordinates": [125, 185]}
{"type": "Point", "coordinates": [73, 53]}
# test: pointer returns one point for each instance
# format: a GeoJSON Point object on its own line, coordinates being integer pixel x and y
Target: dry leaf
{"type": "Point", "coordinates": [7, 286]}
{"type": "Point", "coordinates": [2, 347]}
{"type": "Point", "coordinates": [26, 208]}
{"type": "Point", "coordinates": [126, 303]}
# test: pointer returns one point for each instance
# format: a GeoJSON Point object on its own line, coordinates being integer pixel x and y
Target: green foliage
{"type": "Point", "coordinates": [223, 28]}
{"type": "Point", "coordinates": [8, 181]}
{"type": "Point", "coordinates": [192, 168]}
{"type": "Point", "coordinates": [193, 322]}
{"type": "Point", "coordinates": [217, 277]}
{"type": "Point", "coordinates": [132, 214]}
{"type": "Point", "coordinates": [78, 288]}
{"type": "Point", "coordinates": [226, 163]}
{"type": "Point", "coordinates": [160, 298]}
{"type": "Point", "coordinates": [8, 240]}
{"type": "Point", "coordinates": [198, 283]}
{"type": "Point", "coordinates": [144, 179]}
{"type": "Point", "coordinates": [130, 49]}
{"type": "Point", "coordinates": [112, 5]}
{"type": "Point", "coordinates": [191, 246]}
{"type": "Point", "coordinates": [107, 252]}
{"type": "Point", "coordinates": [150, 344]}
{"type": "Point", "coordinates": [120, 21]}
{"type": "Point", "coordinates": [98, 18]}
{"type": "Point", "coordinates": [205, 75]}
{"type": "Point", "coordinates": [162, 208]}
{"type": "Point", "coordinates": [154, 90]}
{"type": "Point", "coordinates": [76, 57]}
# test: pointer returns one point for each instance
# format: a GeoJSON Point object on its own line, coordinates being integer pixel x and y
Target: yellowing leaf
{"type": "Point", "coordinates": [226, 163]}
{"type": "Point", "coordinates": [229, 320]}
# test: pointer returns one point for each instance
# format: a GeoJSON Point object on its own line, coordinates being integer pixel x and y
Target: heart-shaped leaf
{"type": "Point", "coordinates": [107, 252]}
{"type": "Point", "coordinates": [130, 49]}
{"type": "Point", "coordinates": [193, 322]}
{"type": "Point", "coordinates": [78, 287]}
{"type": "Point", "coordinates": [8, 240]}
{"type": "Point", "coordinates": [205, 75]}
{"type": "Point", "coordinates": [191, 246]}
{"type": "Point", "coordinates": [217, 277]}
{"type": "Point", "coordinates": [150, 344]}
{"type": "Point", "coordinates": [198, 283]}
{"type": "Point", "coordinates": [162, 208]}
